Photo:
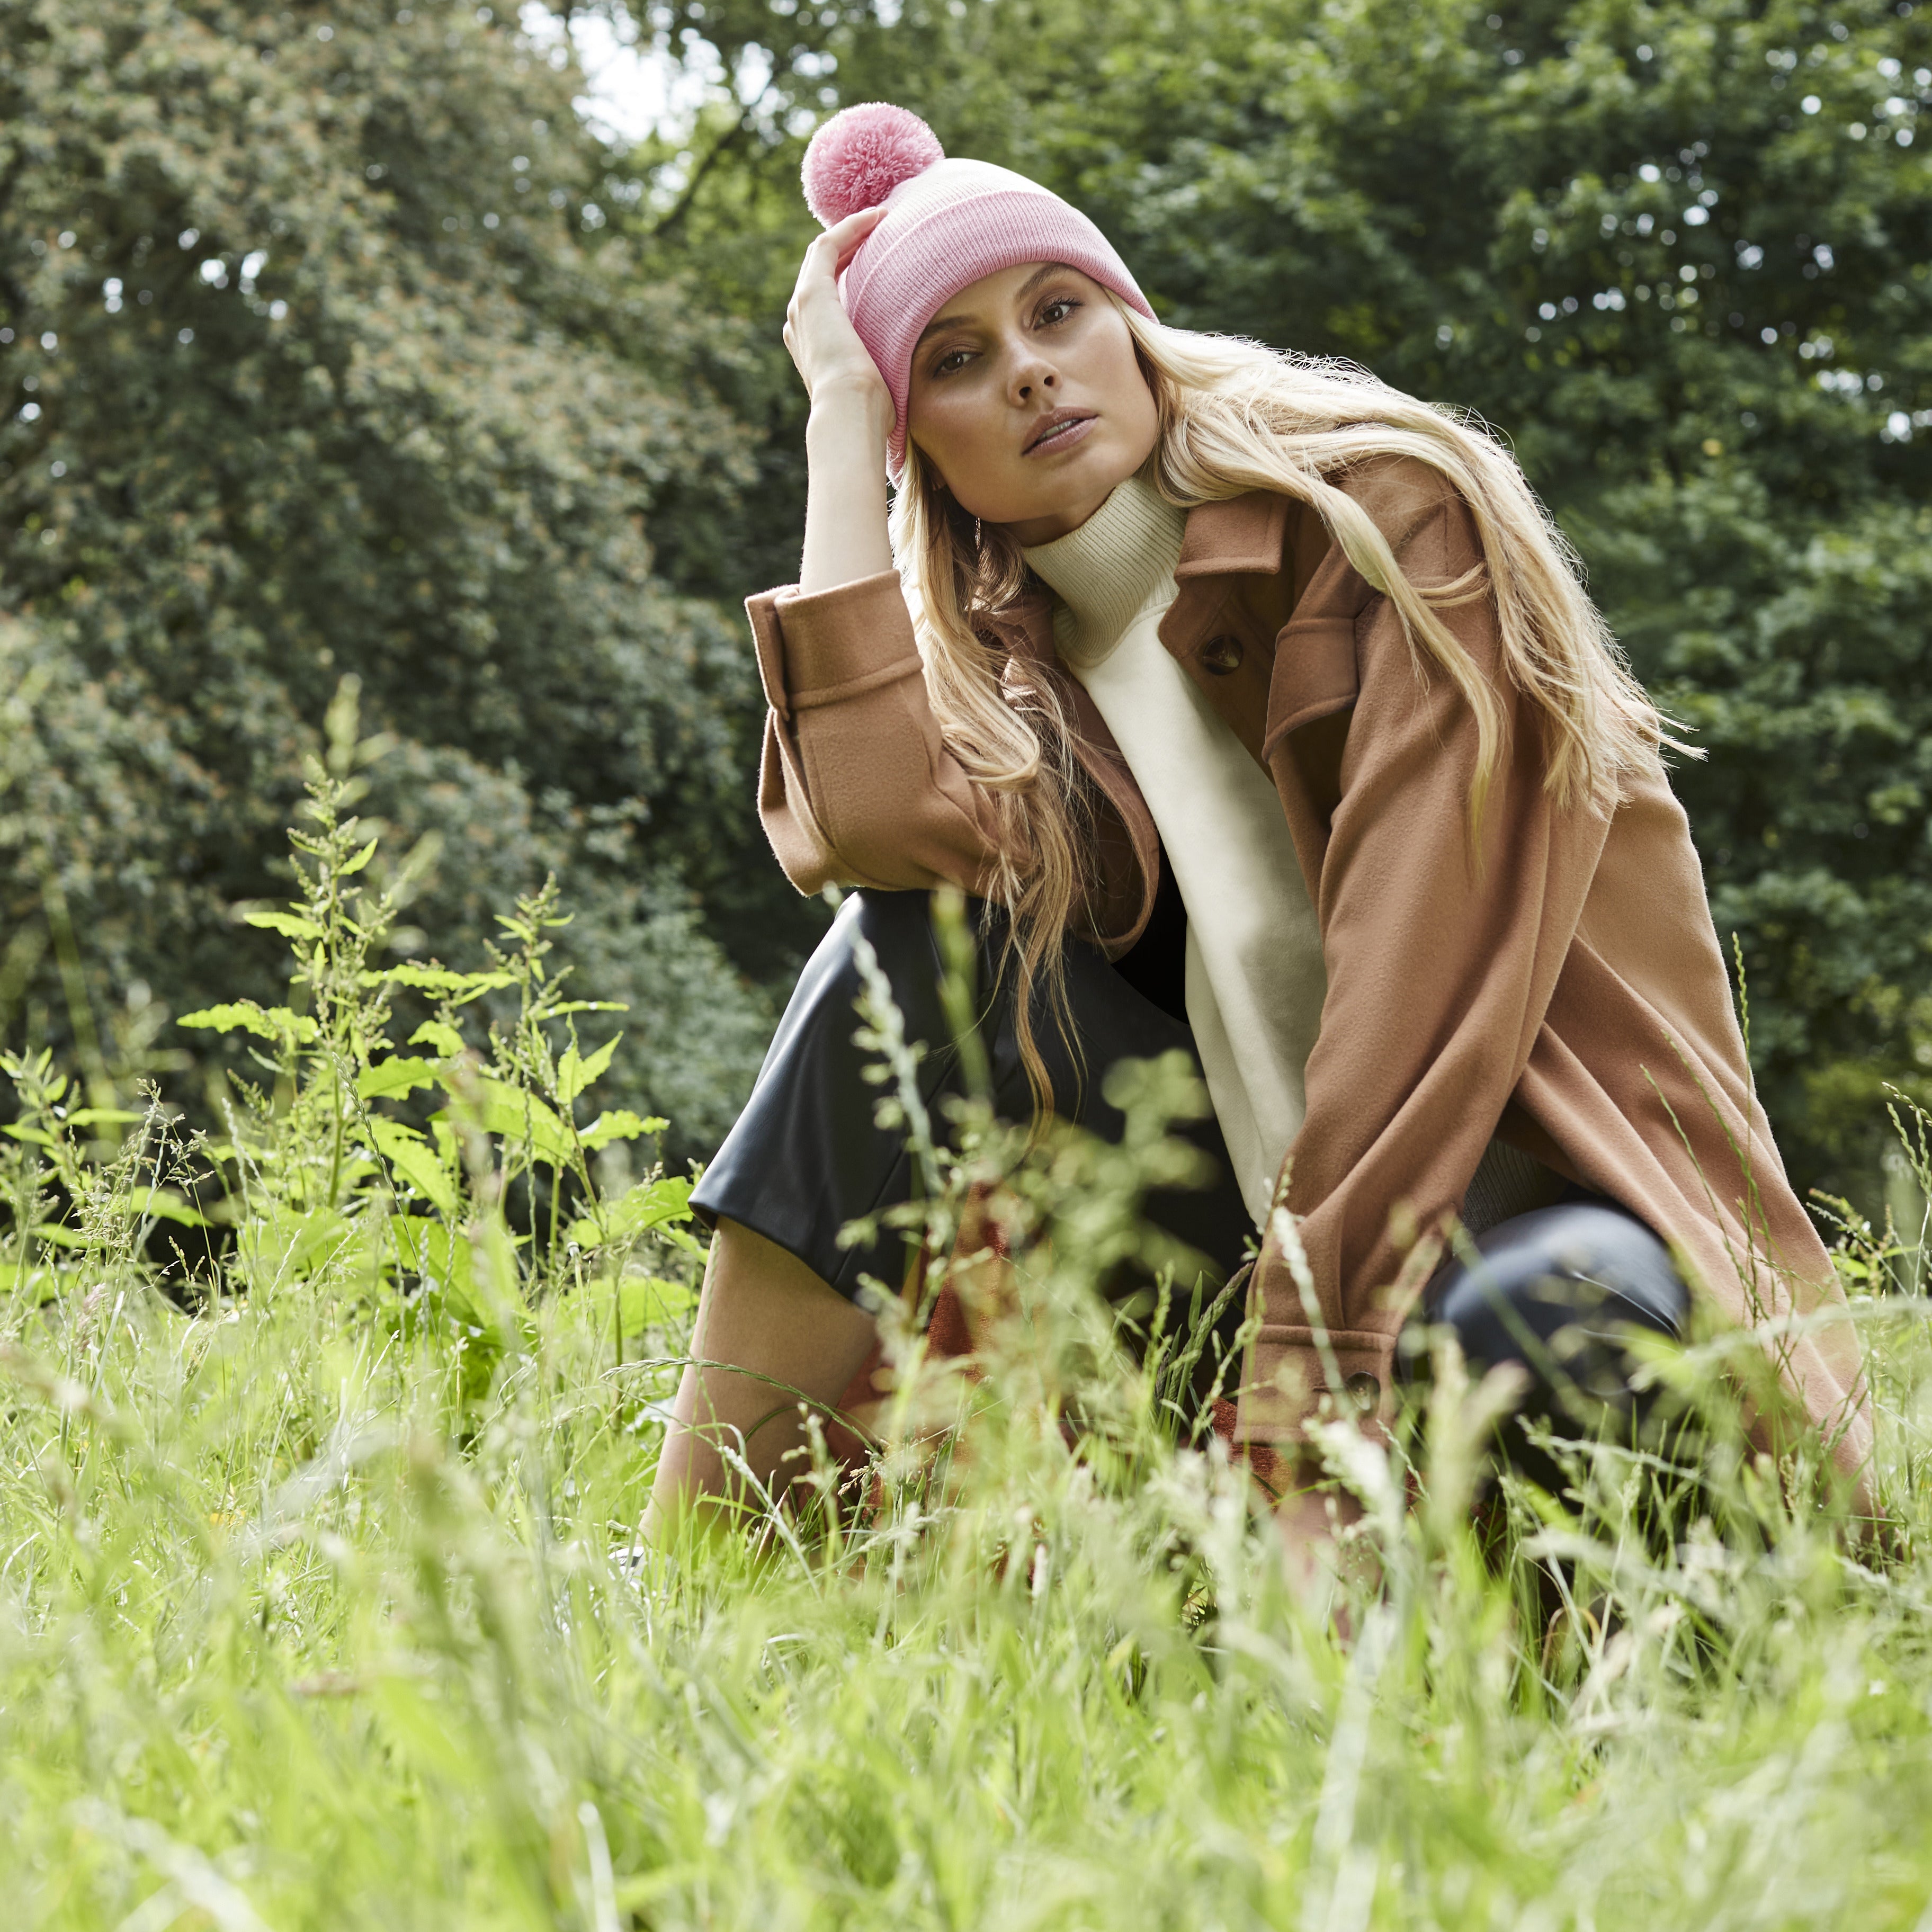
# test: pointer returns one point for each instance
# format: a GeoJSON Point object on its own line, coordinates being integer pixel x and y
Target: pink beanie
{"type": "Point", "coordinates": [947, 224]}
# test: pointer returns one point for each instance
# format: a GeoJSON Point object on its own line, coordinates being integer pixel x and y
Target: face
{"type": "Point", "coordinates": [1027, 400]}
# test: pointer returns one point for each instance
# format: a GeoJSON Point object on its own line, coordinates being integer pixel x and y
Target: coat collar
{"type": "Point", "coordinates": [1238, 535]}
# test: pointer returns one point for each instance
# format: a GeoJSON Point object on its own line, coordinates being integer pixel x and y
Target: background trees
{"type": "Point", "coordinates": [496, 418]}
{"type": "Point", "coordinates": [316, 370]}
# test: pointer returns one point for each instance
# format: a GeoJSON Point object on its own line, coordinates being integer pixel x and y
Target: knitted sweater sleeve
{"type": "Point", "coordinates": [1441, 966]}
{"type": "Point", "coordinates": [856, 785]}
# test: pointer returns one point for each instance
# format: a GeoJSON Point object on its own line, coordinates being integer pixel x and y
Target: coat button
{"type": "Point", "coordinates": [1222, 654]}
{"type": "Point", "coordinates": [1364, 1390]}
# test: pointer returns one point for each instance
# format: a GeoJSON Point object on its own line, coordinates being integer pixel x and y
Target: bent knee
{"type": "Point", "coordinates": [1580, 1263]}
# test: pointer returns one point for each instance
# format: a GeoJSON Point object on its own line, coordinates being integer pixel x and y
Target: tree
{"type": "Point", "coordinates": [324, 362]}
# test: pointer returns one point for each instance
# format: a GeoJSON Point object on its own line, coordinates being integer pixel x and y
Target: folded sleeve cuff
{"type": "Point", "coordinates": [768, 638]}
{"type": "Point", "coordinates": [832, 645]}
{"type": "Point", "coordinates": [1285, 1383]}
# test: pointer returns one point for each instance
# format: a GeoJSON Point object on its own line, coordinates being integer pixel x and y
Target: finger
{"type": "Point", "coordinates": [830, 251]}
{"type": "Point", "coordinates": [854, 228]}
{"type": "Point", "coordinates": [820, 264]}
{"type": "Point", "coordinates": [847, 236]}
{"type": "Point", "coordinates": [813, 264]}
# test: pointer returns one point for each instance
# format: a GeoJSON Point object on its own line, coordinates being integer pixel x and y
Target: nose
{"type": "Point", "coordinates": [1033, 376]}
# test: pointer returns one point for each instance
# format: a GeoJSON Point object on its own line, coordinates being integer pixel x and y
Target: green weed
{"type": "Point", "coordinates": [324, 1440]}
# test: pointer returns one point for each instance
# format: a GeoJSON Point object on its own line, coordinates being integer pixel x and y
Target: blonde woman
{"type": "Point", "coordinates": [1261, 709]}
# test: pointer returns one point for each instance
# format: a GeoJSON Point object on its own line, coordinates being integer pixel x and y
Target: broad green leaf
{"type": "Point", "coordinates": [619, 1123]}
{"type": "Point", "coordinates": [460, 987]}
{"type": "Point", "coordinates": [409, 1154]}
{"type": "Point", "coordinates": [651, 1204]}
{"type": "Point", "coordinates": [89, 1117]}
{"type": "Point", "coordinates": [440, 1253]}
{"type": "Point", "coordinates": [35, 1283]}
{"type": "Point", "coordinates": [361, 859]}
{"type": "Point", "coordinates": [397, 1075]}
{"type": "Point", "coordinates": [646, 1302]}
{"type": "Point", "coordinates": [34, 1136]}
{"type": "Point", "coordinates": [163, 1204]}
{"type": "Point", "coordinates": [523, 1120]}
{"type": "Point", "coordinates": [290, 925]}
{"type": "Point", "coordinates": [574, 1072]}
{"type": "Point", "coordinates": [58, 1235]}
{"type": "Point", "coordinates": [273, 1023]}
{"type": "Point", "coordinates": [666, 1300]}
{"type": "Point", "coordinates": [293, 1242]}
{"type": "Point", "coordinates": [439, 1034]}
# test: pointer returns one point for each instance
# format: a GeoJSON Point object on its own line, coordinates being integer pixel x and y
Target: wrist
{"type": "Point", "coordinates": [842, 404]}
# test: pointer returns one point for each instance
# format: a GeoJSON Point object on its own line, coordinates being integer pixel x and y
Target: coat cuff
{"type": "Point", "coordinates": [768, 639]}
{"type": "Point", "coordinates": [833, 644]}
{"type": "Point", "coordinates": [1285, 1386]}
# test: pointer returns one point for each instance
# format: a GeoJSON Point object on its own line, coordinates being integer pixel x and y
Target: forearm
{"type": "Point", "coordinates": [857, 785]}
{"type": "Point", "coordinates": [845, 534]}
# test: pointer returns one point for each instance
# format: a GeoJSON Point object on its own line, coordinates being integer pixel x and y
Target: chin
{"type": "Point", "coordinates": [1102, 464]}
{"type": "Point", "coordinates": [1083, 475]}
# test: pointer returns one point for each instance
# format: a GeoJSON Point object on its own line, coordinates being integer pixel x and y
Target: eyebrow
{"type": "Point", "coordinates": [1026, 288]}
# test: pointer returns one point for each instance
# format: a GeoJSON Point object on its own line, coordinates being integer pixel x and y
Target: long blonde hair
{"type": "Point", "coordinates": [1236, 416]}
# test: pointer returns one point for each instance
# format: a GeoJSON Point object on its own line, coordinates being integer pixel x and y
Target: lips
{"type": "Point", "coordinates": [1056, 429]}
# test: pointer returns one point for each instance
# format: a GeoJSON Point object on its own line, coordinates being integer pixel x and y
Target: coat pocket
{"type": "Point", "coordinates": [1314, 674]}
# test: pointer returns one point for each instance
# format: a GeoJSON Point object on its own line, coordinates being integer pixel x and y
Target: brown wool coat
{"type": "Point", "coordinates": [1569, 994]}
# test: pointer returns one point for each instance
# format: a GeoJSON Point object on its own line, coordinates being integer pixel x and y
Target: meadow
{"type": "Point", "coordinates": [349, 358]}
{"type": "Point", "coordinates": [325, 1435]}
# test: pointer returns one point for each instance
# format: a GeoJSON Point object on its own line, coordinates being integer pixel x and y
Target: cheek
{"type": "Point", "coordinates": [957, 426]}
{"type": "Point", "coordinates": [1128, 397]}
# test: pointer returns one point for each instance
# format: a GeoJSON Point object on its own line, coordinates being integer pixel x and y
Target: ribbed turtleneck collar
{"type": "Point", "coordinates": [1106, 572]}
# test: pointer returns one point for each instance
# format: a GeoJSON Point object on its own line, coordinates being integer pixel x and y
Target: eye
{"type": "Point", "coordinates": [1057, 311]}
{"type": "Point", "coordinates": [951, 361]}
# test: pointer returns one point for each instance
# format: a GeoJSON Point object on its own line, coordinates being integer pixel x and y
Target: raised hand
{"type": "Point", "coordinates": [845, 535]}
{"type": "Point", "coordinates": [823, 345]}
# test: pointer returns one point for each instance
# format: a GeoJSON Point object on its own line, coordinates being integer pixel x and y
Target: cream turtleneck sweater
{"type": "Point", "coordinates": [1256, 976]}
{"type": "Point", "coordinates": [1255, 979]}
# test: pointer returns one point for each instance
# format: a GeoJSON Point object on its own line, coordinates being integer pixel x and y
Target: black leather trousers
{"type": "Point", "coordinates": [806, 1157]}
{"type": "Point", "coordinates": [1551, 1290]}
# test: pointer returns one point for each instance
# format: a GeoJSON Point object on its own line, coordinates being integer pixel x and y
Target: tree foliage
{"type": "Point", "coordinates": [334, 346]}
{"type": "Point", "coordinates": [319, 366]}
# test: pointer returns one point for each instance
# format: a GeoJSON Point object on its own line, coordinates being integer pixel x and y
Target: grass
{"type": "Point", "coordinates": [321, 1603]}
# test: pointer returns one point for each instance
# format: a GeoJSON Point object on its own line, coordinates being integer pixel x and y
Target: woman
{"type": "Point", "coordinates": [1263, 708]}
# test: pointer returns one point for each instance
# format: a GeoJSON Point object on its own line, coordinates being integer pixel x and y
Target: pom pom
{"type": "Point", "coordinates": [861, 154]}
